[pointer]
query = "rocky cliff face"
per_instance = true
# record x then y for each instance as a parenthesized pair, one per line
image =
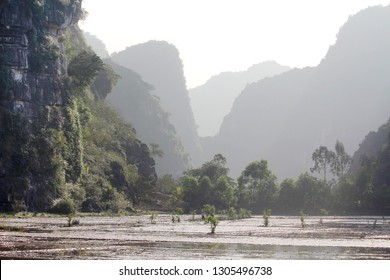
(30, 43)
(49, 147)
(33, 88)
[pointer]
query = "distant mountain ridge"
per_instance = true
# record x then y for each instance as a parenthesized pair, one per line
(159, 64)
(285, 118)
(98, 46)
(372, 145)
(212, 101)
(133, 99)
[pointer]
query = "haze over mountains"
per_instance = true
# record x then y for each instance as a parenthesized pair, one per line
(372, 145)
(133, 99)
(212, 101)
(159, 64)
(282, 119)
(98, 46)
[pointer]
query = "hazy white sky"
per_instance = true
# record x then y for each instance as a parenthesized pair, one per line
(213, 36)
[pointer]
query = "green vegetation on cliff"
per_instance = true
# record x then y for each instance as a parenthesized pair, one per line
(61, 146)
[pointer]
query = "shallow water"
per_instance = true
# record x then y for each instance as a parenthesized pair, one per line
(136, 238)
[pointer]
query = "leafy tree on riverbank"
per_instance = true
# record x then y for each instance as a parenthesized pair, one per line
(257, 187)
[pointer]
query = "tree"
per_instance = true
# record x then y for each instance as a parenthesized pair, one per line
(213, 169)
(223, 193)
(208, 209)
(205, 190)
(312, 193)
(365, 183)
(323, 159)
(341, 162)
(382, 180)
(345, 197)
(257, 186)
(84, 68)
(167, 184)
(288, 201)
(190, 193)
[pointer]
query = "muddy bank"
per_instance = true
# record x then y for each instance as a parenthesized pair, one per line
(136, 237)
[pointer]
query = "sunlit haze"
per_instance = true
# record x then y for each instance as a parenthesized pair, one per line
(219, 35)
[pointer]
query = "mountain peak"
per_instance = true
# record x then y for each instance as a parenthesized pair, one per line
(213, 100)
(283, 119)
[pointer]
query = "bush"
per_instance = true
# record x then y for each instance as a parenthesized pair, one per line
(266, 216)
(324, 212)
(193, 213)
(213, 223)
(84, 68)
(208, 209)
(232, 213)
(72, 221)
(20, 206)
(63, 207)
(303, 217)
(153, 217)
(179, 211)
(91, 206)
(244, 213)
(115, 201)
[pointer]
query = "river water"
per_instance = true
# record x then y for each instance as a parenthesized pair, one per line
(135, 237)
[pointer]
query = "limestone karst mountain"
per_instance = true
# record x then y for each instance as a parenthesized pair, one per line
(212, 101)
(159, 64)
(61, 148)
(285, 118)
(371, 146)
(133, 99)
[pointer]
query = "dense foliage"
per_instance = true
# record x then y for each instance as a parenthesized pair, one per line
(73, 153)
(257, 189)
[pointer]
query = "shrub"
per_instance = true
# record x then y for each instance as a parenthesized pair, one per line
(179, 211)
(84, 68)
(153, 218)
(244, 213)
(63, 207)
(208, 209)
(91, 206)
(193, 213)
(213, 223)
(324, 212)
(72, 221)
(266, 216)
(232, 213)
(20, 206)
(303, 217)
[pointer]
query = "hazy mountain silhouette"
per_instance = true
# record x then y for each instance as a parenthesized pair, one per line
(212, 101)
(159, 64)
(136, 102)
(372, 144)
(133, 99)
(98, 46)
(285, 118)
